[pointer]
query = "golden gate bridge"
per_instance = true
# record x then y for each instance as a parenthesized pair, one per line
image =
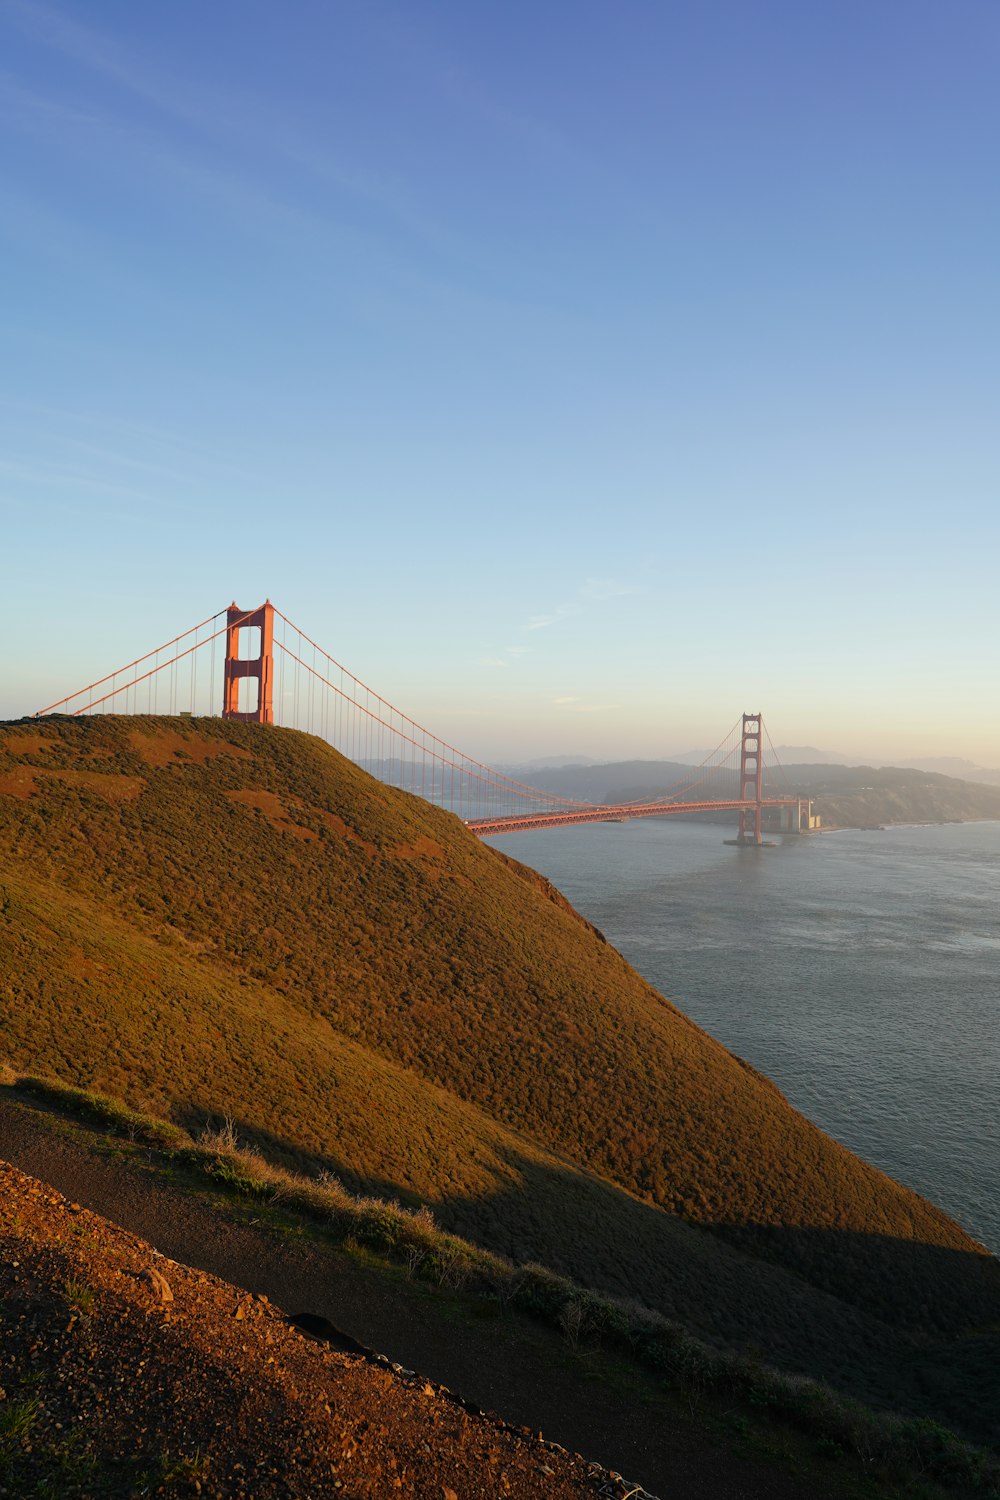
(256, 666)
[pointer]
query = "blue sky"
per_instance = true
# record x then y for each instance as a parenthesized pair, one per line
(580, 374)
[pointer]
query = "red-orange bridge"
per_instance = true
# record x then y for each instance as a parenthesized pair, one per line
(256, 666)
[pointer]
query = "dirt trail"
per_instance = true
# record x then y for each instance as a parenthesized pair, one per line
(127, 1373)
(503, 1369)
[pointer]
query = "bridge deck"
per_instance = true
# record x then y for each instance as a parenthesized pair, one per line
(612, 814)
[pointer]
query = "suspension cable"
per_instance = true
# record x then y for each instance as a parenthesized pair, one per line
(468, 766)
(496, 776)
(160, 666)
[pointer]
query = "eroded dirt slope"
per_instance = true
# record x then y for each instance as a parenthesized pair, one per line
(123, 1372)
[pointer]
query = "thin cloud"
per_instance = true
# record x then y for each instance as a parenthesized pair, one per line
(448, 73)
(599, 590)
(221, 121)
(566, 698)
(46, 474)
(225, 185)
(53, 28)
(90, 421)
(591, 591)
(539, 622)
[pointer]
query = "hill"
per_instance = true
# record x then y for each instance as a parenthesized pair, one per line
(690, 1421)
(209, 919)
(953, 765)
(862, 796)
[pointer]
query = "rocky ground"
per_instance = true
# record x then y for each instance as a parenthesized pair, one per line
(126, 1373)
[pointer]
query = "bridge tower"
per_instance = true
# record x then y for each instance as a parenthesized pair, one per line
(751, 779)
(260, 668)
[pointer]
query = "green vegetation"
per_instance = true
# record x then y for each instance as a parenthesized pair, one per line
(16, 1417)
(211, 920)
(79, 1297)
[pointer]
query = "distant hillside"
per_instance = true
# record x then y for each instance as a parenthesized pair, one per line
(845, 796)
(859, 796)
(953, 765)
(616, 781)
(808, 755)
(212, 919)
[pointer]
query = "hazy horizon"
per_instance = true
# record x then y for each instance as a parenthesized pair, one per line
(788, 754)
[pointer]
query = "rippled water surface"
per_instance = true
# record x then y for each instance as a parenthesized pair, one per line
(859, 970)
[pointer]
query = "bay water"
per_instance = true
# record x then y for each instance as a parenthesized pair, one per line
(860, 970)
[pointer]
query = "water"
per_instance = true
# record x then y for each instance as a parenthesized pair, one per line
(859, 970)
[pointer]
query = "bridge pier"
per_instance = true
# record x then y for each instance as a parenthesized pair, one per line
(797, 817)
(790, 818)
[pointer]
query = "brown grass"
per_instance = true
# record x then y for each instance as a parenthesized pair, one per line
(25, 744)
(275, 811)
(337, 825)
(420, 848)
(160, 746)
(23, 784)
(20, 783)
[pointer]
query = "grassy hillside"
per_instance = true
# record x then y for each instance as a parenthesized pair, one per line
(212, 919)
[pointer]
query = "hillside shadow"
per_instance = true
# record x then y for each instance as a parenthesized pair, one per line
(909, 1326)
(929, 1290)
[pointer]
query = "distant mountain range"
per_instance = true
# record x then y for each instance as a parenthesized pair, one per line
(544, 762)
(942, 765)
(808, 755)
(845, 796)
(791, 756)
(951, 765)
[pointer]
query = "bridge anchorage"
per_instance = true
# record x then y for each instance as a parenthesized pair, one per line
(270, 672)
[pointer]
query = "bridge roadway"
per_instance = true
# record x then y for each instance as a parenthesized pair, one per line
(486, 826)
